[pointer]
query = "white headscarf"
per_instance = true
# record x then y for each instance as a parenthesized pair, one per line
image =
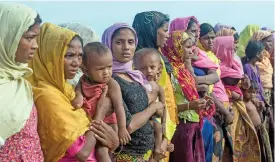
(16, 98)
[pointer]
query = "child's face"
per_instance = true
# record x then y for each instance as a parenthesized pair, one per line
(149, 65)
(250, 94)
(99, 68)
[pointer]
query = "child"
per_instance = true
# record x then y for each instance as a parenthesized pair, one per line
(147, 60)
(97, 69)
(253, 112)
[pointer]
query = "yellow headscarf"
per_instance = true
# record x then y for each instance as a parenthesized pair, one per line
(265, 67)
(58, 124)
(245, 36)
(16, 100)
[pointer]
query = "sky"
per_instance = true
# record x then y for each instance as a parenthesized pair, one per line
(99, 15)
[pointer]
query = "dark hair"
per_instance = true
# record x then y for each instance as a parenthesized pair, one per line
(94, 48)
(79, 38)
(205, 28)
(233, 29)
(37, 21)
(253, 48)
(143, 52)
(190, 23)
(236, 36)
(116, 32)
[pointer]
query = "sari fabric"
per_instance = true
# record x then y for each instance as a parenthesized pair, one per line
(174, 52)
(245, 36)
(220, 26)
(16, 94)
(62, 125)
(265, 66)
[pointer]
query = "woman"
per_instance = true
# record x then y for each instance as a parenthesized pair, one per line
(223, 148)
(245, 36)
(122, 40)
(19, 139)
(220, 26)
(245, 141)
(64, 132)
(201, 65)
(230, 32)
(188, 146)
(88, 35)
(152, 32)
(265, 67)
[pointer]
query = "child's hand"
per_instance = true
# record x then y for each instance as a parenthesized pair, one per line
(228, 119)
(77, 102)
(124, 136)
(245, 82)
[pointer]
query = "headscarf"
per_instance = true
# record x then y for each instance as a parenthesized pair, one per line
(181, 23)
(88, 35)
(16, 93)
(265, 66)
(219, 89)
(224, 48)
(220, 26)
(174, 51)
(245, 36)
(85, 32)
(225, 32)
(119, 67)
(59, 125)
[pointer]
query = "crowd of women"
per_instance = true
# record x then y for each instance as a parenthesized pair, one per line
(156, 90)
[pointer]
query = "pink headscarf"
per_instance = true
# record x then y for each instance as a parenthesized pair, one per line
(224, 50)
(182, 24)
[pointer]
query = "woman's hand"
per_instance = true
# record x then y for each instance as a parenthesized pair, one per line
(158, 107)
(245, 82)
(105, 134)
(197, 104)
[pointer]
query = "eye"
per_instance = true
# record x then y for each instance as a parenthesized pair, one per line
(118, 42)
(131, 42)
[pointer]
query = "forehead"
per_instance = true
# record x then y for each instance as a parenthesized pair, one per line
(194, 26)
(165, 25)
(125, 34)
(34, 29)
(149, 57)
(210, 34)
(96, 59)
(188, 42)
(75, 44)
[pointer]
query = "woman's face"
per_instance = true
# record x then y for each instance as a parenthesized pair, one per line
(260, 56)
(207, 40)
(194, 31)
(73, 58)
(187, 48)
(268, 43)
(162, 35)
(27, 45)
(124, 45)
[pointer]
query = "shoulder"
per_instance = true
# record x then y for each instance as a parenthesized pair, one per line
(113, 84)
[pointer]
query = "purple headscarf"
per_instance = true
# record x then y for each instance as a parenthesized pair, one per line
(219, 26)
(119, 67)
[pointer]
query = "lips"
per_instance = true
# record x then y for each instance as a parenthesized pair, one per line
(126, 55)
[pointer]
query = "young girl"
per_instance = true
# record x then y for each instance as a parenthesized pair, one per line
(97, 69)
(253, 112)
(148, 61)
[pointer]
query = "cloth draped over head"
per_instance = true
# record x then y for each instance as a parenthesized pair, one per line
(146, 25)
(16, 94)
(224, 49)
(59, 125)
(220, 26)
(88, 35)
(225, 32)
(182, 24)
(174, 51)
(265, 66)
(119, 67)
(85, 32)
(245, 36)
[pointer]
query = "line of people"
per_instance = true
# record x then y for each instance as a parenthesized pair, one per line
(156, 91)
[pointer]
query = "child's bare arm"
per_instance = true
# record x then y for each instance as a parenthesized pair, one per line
(163, 118)
(77, 102)
(116, 97)
(236, 96)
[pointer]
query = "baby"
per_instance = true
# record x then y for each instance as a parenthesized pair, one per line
(97, 69)
(254, 112)
(148, 61)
